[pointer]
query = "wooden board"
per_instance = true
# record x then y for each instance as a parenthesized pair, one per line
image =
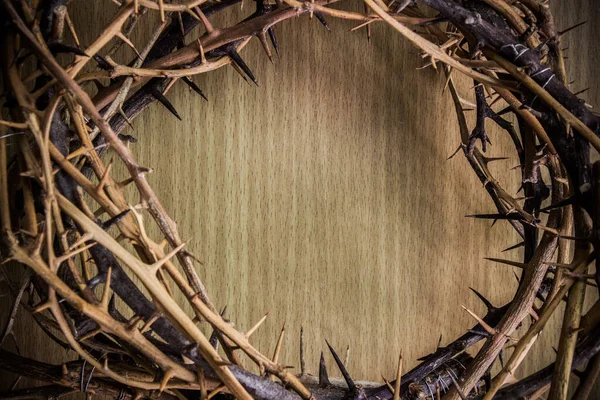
(324, 196)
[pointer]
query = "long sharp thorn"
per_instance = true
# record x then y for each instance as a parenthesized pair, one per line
(481, 322)
(57, 47)
(516, 246)
(568, 201)
(485, 301)
(271, 33)
(158, 95)
(403, 4)
(256, 326)
(368, 25)
(114, 220)
(388, 384)
(129, 43)
(514, 216)
(347, 359)
(278, 345)
(323, 376)
(516, 277)
(302, 360)
(165, 380)
(194, 87)
(322, 21)
(263, 41)
(237, 59)
(455, 152)
(343, 370)
(239, 72)
(158, 264)
(581, 91)
(562, 33)
(398, 378)
(507, 262)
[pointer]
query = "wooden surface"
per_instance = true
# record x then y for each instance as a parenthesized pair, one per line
(324, 196)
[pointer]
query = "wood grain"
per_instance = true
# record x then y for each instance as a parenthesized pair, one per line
(324, 196)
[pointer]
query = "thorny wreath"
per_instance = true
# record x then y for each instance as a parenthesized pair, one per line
(58, 200)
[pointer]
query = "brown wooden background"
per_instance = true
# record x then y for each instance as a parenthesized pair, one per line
(324, 195)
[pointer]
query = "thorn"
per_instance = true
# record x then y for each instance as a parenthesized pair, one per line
(73, 253)
(114, 220)
(36, 249)
(516, 246)
(403, 4)
(562, 33)
(322, 21)
(158, 95)
(302, 360)
(278, 348)
(133, 322)
(263, 41)
(398, 379)
(194, 87)
(486, 302)
(125, 117)
(369, 25)
(57, 47)
(388, 384)
(202, 54)
(347, 359)
(323, 376)
(240, 72)
(239, 62)
(548, 229)
(460, 146)
(343, 370)
(271, 33)
(150, 321)
(488, 160)
(158, 264)
(84, 238)
(507, 262)
(513, 216)
(256, 326)
(125, 182)
(207, 24)
(105, 177)
(165, 379)
(481, 322)
(129, 43)
(582, 91)
(563, 203)
(88, 335)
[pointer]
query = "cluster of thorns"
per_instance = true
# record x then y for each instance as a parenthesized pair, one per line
(64, 266)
